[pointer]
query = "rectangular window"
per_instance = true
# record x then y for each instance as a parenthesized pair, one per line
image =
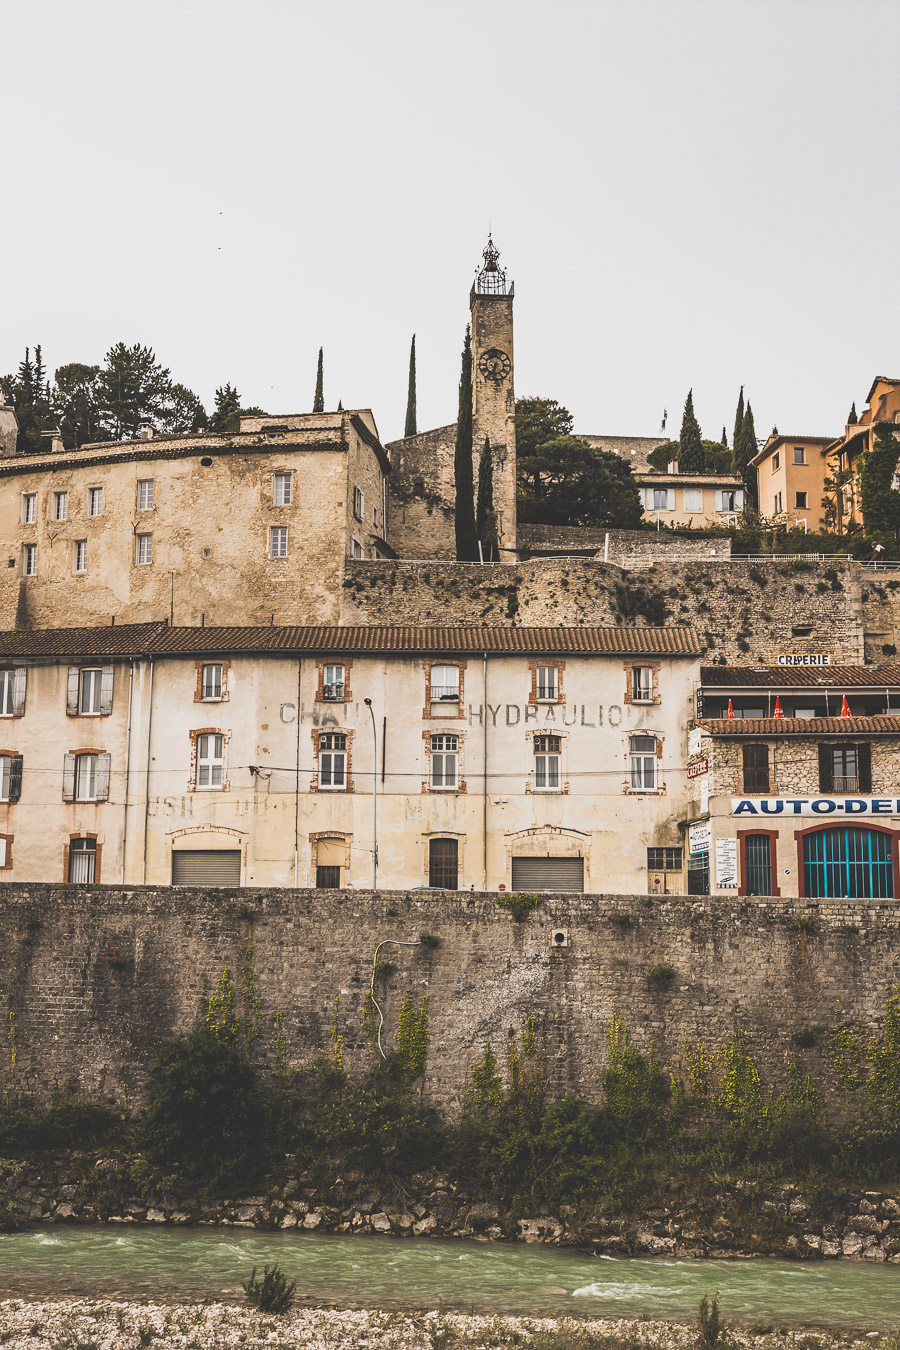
(444, 760)
(800, 500)
(86, 778)
(642, 684)
(7, 693)
(278, 541)
(660, 499)
(546, 763)
(776, 463)
(359, 503)
(210, 760)
(758, 864)
(729, 500)
(333, 684)
(755, 765)
(445, 684)
(443, 864)
(844, 769)
(29, 508)
(777, 504)
(642, 750)
(95, 501)
(547, 686)
(60, 505)
(10, 778)
(82, 861)
(799, 458)
(29, 560)
(333, 760)
(145, 494)
(356, 549)
(211, 682)
(80, 555)
(144, 548)
(282, 491)
(664, 859)
(693, 499)
(89, 695)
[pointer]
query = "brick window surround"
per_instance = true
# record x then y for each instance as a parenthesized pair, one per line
(562, 737)
(85, 834)
(9, 859)
(198, 689)
(742, 851)
(320, 680)
(461, 785)
(209, 731)
(629, 687)
(660, 788)
(460, 707)
(560, 694)
(349, 786)
(343, 835)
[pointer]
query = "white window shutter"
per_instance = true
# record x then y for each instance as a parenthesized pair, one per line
(72, 692)
(69, 778)
(19, 682)
(670, 499)
(106, 690)
(102, 781)
(739, 501)
(719, 506)
(642, 493)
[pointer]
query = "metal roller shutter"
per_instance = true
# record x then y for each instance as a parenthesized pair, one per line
(548, 874)
(206, 867)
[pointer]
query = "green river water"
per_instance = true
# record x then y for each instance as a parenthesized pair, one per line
(383, 1272)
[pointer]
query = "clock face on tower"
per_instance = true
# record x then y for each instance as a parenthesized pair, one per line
(494, 365)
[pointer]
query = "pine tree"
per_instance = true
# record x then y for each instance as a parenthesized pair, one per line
(724, 438)
(466, 538)
(691, 455)
(228, 405)
(319, 400)
(852, 418)
(486, 516)
(738, 423)
(30, 396)
(410, 428)
(133, 387)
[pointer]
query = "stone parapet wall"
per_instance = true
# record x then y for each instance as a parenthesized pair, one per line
(655, 545)
(93, 978)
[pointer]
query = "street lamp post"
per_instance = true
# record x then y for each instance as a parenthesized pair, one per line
(368, 703)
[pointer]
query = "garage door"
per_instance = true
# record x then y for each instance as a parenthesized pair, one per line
(206, 867)
(548, 874)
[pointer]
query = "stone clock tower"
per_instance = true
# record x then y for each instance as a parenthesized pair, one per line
(493, 394)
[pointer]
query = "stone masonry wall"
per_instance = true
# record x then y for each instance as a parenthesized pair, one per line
(647, 545)
(92, 979)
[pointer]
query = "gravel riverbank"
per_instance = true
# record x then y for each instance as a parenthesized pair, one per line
(90, 1324)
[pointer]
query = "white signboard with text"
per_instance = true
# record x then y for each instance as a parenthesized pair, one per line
(726, 864)
(699, 836)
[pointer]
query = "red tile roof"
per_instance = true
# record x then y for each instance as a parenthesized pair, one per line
(796, 677)
(801, 726)
(159, 639)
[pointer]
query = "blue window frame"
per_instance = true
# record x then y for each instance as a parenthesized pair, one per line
(848, 862)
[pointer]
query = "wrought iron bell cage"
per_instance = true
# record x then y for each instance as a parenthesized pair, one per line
(490, 278)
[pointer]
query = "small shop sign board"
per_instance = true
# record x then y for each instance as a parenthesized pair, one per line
(699, 766)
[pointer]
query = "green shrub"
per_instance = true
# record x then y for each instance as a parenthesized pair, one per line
(804, 1038)
(271, 1294)
(708, 1321)
(68, 1124)
(803, 923)
(519, 904)
(661, 974)
(429, 941)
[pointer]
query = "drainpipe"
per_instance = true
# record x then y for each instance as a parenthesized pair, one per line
(147, 774)
(297, 787)
(368, 703)
(127, 764)
(484, 780)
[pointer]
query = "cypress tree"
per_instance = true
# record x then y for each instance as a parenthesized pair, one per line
(691, 455)
(743, 451)
(410, 428)
(340, 406)
(852, 418)
(319, 400)
(466, 538)
(724, 438)
(738, 423)
(486, 516)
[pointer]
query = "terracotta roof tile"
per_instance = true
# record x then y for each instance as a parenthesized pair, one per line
(797, 677)
(159, 639)
(801, 726)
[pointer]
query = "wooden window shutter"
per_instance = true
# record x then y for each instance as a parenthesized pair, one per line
(106, 689)
(102, 781)
(756, 768)
(825, 774)
(72, 691)
(864, 766)
(15, 778)
(19, 682)
(69, 778)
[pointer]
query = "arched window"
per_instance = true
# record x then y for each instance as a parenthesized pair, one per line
(848, 861)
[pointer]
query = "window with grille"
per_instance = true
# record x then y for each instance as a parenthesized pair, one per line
(332, 760)
(664, 859)
(95, 502)
(10, 778)
(82, 861)
(698, 874)
(546, 763)
(758, 864)
(29, 508)
(145, 494)
(29, 560)
(755, 764)
(443, 863)
(333, 684)
(60, 505)
(282, 490)
(444, 684)
(642, 684)
(547, 684)
(145, 548)
(278, 537)
(642, 750)
(80, 555)
(210, 760)
(444, 760)
(211, 682)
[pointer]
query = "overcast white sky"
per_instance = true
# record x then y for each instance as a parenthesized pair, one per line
(686, 192)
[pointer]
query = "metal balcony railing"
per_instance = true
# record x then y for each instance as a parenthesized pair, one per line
(849, 784)
(442, 693)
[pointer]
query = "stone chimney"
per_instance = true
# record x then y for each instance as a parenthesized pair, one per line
(145, 431)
